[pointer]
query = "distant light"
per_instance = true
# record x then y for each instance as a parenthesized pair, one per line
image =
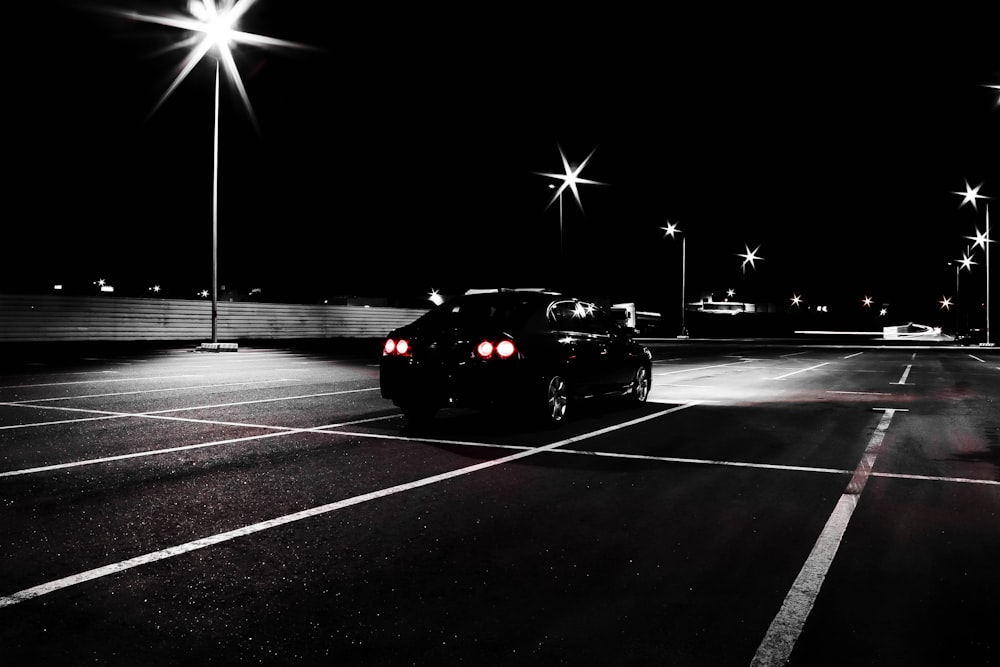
(435, 298)
(730, 292)
(970, 195)
(945, 303)
(107, 288)
(203, 294)
(57, 287)
(670, 230)
(966, 261)
(749, 257)
(796, 299)
(570, 178)
(883, 312)
(981, 238)
(866, 302)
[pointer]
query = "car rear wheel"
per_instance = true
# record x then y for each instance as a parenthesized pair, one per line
(641, 384)
(557, 399)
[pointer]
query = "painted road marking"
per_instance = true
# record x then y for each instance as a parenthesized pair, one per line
(705, 368)
(777, 645)
(801, 370)
(105, 414)
(280, 430)
(977, 358)
(147, 391)
(128, 379)
(852, 355)
(906, 374)
(219, 538)
(859, 393)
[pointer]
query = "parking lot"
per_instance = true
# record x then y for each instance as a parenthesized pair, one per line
(770, 504)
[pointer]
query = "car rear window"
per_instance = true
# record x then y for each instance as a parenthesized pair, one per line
(507, 311)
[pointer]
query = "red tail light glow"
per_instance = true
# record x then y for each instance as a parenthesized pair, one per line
(397, 348)
(503, 349)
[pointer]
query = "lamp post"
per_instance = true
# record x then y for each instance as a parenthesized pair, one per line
(983, 239)
(570, 179)
(671, 230)
(964, 263)
(215, 29)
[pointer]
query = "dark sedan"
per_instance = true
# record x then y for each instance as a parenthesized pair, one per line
(537, 352)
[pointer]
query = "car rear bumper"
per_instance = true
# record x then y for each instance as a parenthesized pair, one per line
(472, 384)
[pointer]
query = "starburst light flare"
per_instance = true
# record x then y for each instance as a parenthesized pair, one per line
(945, 303)
(749, 257)
(966, 261)
(971, 195)
(867, 301)
(670, 230)
(570, 178)
(796, 299)
(215, 29)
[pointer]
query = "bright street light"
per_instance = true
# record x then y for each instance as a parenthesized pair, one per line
(215, 31)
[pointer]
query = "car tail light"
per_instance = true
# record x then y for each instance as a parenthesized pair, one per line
(397, 348)
(503, 349)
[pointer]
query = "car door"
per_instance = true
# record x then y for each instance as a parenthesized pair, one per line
(583, 351)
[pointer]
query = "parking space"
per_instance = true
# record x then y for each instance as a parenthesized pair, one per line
(694, 511)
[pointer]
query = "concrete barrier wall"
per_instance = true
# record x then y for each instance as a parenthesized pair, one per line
(41, 318)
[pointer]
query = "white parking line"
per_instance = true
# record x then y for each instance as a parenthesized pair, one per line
(128, 379)
(801, 370)
(280, 430)
(705, 368)
(906, 373)
(777, 645)
(145, 391)
(218, 538)
(105, 414)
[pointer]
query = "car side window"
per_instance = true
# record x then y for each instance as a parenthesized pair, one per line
(579, 316)
(601, 322)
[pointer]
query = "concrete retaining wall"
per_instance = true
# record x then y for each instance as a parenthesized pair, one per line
(42, 318)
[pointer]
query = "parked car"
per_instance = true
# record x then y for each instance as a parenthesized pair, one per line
(534, 352)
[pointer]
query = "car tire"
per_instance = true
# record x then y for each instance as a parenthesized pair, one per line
(641, 384)
(556, 404)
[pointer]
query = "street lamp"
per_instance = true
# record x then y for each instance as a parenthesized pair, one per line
(570, 179)
(970, 196)
(215, 29)
(671, 230)
(983, 239)
(964, 263)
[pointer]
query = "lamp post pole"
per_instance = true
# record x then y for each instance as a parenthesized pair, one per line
(684, 331)
(987, 245)
(215, 215)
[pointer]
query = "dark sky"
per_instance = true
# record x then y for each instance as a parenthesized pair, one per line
(402, 153)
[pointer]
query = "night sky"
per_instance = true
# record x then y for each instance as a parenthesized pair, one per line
(402, 153)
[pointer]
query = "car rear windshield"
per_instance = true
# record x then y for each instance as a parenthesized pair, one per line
(504, 311)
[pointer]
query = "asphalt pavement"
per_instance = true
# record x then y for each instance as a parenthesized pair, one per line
(781, 502)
